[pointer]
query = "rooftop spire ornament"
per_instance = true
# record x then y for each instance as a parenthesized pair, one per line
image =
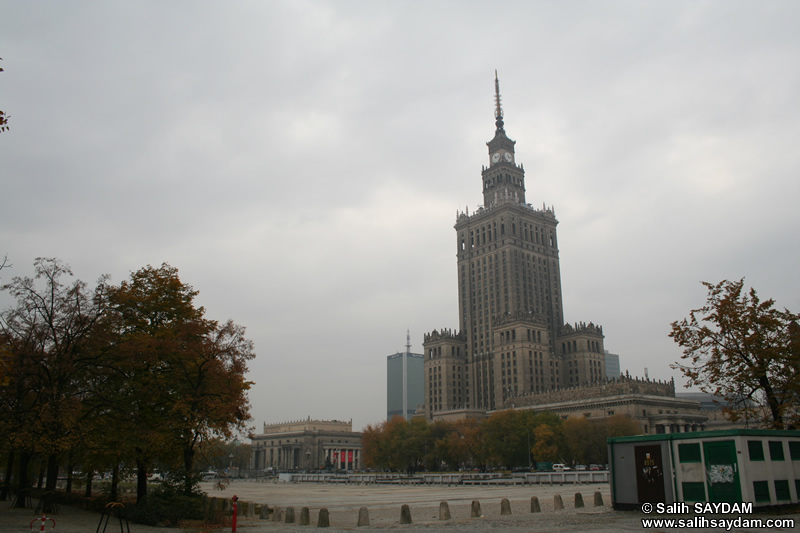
(498, 111)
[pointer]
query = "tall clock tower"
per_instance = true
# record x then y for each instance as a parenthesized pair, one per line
(502, 178)
(512, 339)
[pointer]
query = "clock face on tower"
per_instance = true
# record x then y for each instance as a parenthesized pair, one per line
(495, 157)
(509, 157)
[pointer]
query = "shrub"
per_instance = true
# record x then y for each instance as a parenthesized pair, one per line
(165, 506)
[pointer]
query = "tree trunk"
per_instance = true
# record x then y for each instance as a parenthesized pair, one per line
(114, 483)
(48, 498)
(4, 490)
(70, 468)
(88, 492)
(24, 489)
(772, 402)
(141, 481)
(188, 466)
(52, 473)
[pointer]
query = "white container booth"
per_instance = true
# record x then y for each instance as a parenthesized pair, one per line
(734, 466)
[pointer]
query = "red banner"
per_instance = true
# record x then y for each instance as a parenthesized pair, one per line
(350, 456)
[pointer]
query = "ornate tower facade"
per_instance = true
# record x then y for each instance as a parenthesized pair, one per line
(512, 339)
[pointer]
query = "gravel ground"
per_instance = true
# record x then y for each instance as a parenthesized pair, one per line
(383, 503)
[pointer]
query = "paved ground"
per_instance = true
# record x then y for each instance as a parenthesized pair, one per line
(384, 502)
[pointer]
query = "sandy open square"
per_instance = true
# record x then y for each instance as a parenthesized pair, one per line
(342, 497)
(384, 501)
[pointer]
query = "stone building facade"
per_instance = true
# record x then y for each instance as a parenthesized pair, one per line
(652, 404)
(511, 338)
(307, 445)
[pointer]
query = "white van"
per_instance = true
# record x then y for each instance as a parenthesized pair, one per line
(561, 467)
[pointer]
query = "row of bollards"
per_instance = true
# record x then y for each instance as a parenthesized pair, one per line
(287, 515)
(505, 507)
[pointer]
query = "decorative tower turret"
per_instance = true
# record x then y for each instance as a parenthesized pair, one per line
(503, 180)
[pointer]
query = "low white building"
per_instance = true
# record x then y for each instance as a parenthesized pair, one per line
(307, 445)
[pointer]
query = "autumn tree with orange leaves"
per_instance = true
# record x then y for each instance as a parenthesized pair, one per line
(50, 340)
(744, 350)
(179, 375)
(118, 375)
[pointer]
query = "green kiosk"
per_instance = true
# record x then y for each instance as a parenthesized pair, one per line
(734, 466)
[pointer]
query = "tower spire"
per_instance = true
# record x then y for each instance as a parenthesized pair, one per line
(498, 110)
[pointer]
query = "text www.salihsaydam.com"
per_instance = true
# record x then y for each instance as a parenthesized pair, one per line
(713, 523)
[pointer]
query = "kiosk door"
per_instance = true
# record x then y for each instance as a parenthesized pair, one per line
(722, 471)
(649, 474)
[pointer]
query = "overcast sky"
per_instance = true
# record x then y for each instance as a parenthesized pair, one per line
(302, 163)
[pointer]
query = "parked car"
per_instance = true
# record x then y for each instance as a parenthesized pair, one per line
(595, 467)
(561, 467)
(580, 468)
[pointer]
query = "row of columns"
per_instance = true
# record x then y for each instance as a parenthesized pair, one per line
(343, 458)
(677, 428)
(296, 456)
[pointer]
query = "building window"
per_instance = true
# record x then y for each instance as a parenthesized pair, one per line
(689, 453)
(794, 450)
(776, 450)
(755, 449)
(782, 490)
(761, 491)
(694, 491)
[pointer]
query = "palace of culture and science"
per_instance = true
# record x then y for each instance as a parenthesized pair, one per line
(512, 340)
(512, 349)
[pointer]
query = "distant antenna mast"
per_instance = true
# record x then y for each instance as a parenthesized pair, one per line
(405, 374)
(645, 373)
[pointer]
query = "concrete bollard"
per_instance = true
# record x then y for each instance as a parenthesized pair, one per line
(251, 510)
(558, 503)
(323, 520)
(444, 511)
(598, 499)
(363, 516)
(405, 514)
(277, 514)
(263, 511)
(305, 518)
(226, 505)
(578, 500)
(505, 506)
(213, 511)
(476, 509)
(535, 507)
(289, 516)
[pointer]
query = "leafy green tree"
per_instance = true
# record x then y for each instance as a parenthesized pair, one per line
(507, 437)
(440, 455)
(585, 438)
(50, 335)
(744, 350)
(468, 441)
(180, 376)
(384, 445)
(545, 447)
(374, 446)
